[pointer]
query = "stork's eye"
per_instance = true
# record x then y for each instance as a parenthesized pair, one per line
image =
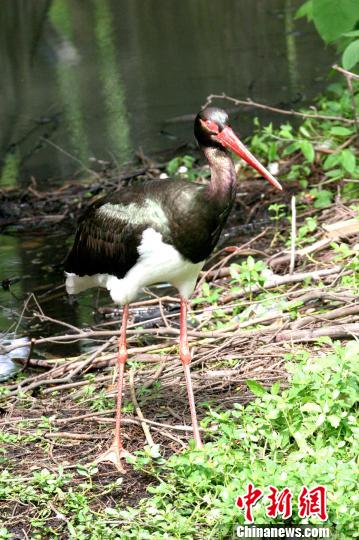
(210, 125)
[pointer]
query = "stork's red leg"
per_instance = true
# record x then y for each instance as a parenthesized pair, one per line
(185, 356)
(116, 450)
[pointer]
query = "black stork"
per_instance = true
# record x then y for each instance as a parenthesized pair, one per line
(159, 231)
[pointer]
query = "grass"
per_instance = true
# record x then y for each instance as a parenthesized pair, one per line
(303, 436)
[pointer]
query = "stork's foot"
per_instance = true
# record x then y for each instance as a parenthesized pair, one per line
(114, 455)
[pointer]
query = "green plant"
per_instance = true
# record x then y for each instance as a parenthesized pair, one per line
(351, 258)
(343, 251)
(303, 233)
(248, 273)
(305, 435)
(336, 22)
(339, 164)
(183, 165)
(209, 294)
(277, 213)
(299, 172)
(313, 153)
(304, 145)
(154, 391)
(263, 142)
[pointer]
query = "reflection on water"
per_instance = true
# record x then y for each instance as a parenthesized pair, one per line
(33, 262)
(67, 59)
(98, 78)
(83, 79)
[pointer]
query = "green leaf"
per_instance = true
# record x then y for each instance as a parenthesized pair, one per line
(323, 197)
(286, 131)
(334, 17)
(307, 150)
(348, 160)
(293, 147)
(303, 130)
(206, 289)
(302, 443)
(256, 388)
(311, 223)
(234, 271)
(275, 388)
(272, 151)
(355, 33)
(331, 161)
(351, 55)
(341, 131)
(250, 263)
(335, 173)
(306, 10)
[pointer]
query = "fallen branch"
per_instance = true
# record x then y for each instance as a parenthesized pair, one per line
(76, 436)
(333, 232)
(138, 422)
(312, 334)
(278, 281)
(96, 334)
(98, 417)
(330, 315)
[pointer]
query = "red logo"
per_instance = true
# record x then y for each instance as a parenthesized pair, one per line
(248, 500)
(310, 502)
(281, 503)
(313, 503)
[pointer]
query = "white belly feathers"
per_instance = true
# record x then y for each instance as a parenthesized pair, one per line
(158, 263)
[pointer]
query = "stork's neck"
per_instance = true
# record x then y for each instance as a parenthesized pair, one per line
(222, 187)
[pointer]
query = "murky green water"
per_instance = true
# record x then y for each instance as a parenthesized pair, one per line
(87, 80)
(97, 79)
(33, 262)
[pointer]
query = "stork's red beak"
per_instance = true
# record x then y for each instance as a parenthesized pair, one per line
(229, 139)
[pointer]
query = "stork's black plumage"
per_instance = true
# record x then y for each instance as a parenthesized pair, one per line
(161, 230)
(110, 231)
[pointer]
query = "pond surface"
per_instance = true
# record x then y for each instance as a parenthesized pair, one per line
(85, 80)
(90, 80)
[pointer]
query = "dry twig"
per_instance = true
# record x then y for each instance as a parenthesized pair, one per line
(139, 413)
(250, 103)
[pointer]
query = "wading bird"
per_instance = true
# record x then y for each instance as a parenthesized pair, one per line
(159, 231)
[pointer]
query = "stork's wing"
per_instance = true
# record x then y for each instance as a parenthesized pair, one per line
(105, 243)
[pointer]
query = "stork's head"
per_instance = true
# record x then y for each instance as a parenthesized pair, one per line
(212, 129)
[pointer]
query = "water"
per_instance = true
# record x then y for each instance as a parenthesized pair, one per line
(98, 79)
(83, 81)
